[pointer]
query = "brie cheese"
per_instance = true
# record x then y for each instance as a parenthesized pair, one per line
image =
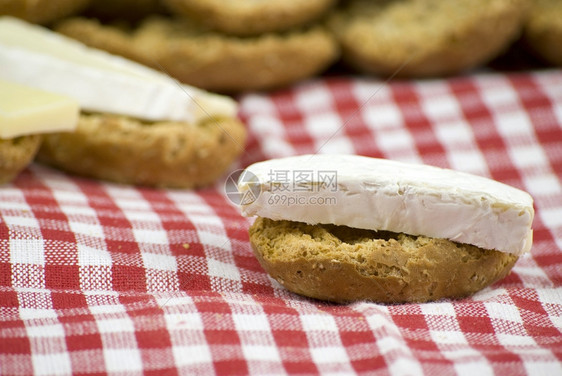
(378, 194)
(35, 56)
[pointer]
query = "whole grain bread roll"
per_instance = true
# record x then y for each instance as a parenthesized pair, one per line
(342, 264)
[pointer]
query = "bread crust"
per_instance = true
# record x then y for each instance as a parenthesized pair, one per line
(342, 264)
(162, 154)
(242, 17)
(211, 60)
(420, 38)
(543, 30)
(16, 154)
(42, 11)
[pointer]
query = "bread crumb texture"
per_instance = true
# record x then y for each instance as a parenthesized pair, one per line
(543, 30)
(15, 154)
(210, 60)
(244, 17)
(164, 154)
(342, 264)
(425, 37)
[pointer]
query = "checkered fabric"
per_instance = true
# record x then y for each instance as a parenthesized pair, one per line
(99, 278)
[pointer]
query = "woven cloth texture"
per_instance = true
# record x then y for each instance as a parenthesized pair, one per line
(100, 278)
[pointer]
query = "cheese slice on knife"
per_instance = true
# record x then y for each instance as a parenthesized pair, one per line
(27, 111)
(378, 194)
(35, 56)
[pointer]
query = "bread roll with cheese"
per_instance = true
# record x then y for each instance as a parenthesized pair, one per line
(344, 228)
(25, 115)
(137, 125)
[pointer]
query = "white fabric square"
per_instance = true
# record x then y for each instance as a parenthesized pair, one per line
(132, 205)
(250, 322)
(510, 340)
(332, 354)
(552, 217)
(223, 270)
(514, 124)
(122, 360)
(543, 368)
(503, 311)
(373, 91)
(335, 145)
(395, 139)
(143, 218)
(448, 337)
(324, 125)
(528, 156)
(267, 125)
(385, 115)
(499, 96)
(254, 103)
(79, 211)
(278, 148)
(21, 221)
(441, 107)
(12, 202)
(318, 323)
(470, 161)
(260, 352)
(543, 185)
(104, 309)
(214, 239)
(27, 251)
(472, 368)
(115, 325)
(188, 355)
(206, 219)
(150, 236)
(381, 320)
(457, 132)
(37, 313)
(550, 295)
(388, 344)
(160, 262)
(45, 330)
(51, 364)
(314, 99)
(405, 366)
(69, 195)
(86, 229)
(181, 321)
(489, 294)
(88, 256)
(438, 309)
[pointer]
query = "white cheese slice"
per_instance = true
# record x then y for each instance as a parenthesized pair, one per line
(35, 56)
(380, 194)
(26, 111)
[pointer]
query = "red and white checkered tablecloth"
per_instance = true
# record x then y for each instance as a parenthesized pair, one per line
(99, 278)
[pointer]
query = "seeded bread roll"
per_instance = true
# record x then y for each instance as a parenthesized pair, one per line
(543, 30)
(210, 60)
(163, 154)
(16, 154)
(248, 17)
(418, 38)
(341, 264)
(346, 227)
(41, 11)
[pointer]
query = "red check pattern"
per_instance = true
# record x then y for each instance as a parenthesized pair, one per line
(98, 278)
